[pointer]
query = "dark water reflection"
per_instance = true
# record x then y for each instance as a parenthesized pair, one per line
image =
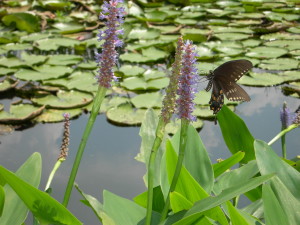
(108, 162)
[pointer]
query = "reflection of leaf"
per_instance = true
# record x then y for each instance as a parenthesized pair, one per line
(23, 21)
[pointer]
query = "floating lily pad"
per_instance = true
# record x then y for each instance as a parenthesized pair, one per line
(48, 44)
(23, 21)
(56, 115)
(125, 115)
(148, 55)
(69, 28)
(143, 33)
(185, 21)
(91, 65)
(266, 52)
(129, 70)
(219, 12)
(227, 51)
(8, 37)
(174, 125)
(195, 35)
(8, 84)
(33, 60)
(44, 72)
(6, 71)
(224, 29)
(251, 43)
(84, 81)
(148, 100)
(204, 112)
(293, 89)
(154, 16)
(151, 74)
(55, 4)
(279, 64)
(64, 60)
(34, 37)
(12, 62)
(279, 36)
(287, 44)
(261, 79)
(17, 47)
(20, 113)
(205, 53)
(64, 99)
(232, 36)
(137, 83)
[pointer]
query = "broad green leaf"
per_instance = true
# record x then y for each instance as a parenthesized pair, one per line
(2, 200)
(188, 187)
(232, 36)
(69, 28)
(15, 211)
(196, 159)
(236, 217)
(64, 60)
(262, 52)
(268, 162)
(123, 211)
(45, 208)
(57, 115)
(279, 64)
(143, 33)
(226, 164)
(12, 62)
(178, 202)
(129, 70)
(289, 203)
(8, 84)
(226, 195)
(49, 44)
(92, 202)
(236, 134)
(195, 219)
(228, 179)
(23, 21)
(273, 211)
(174, 125)
(158, 199)
(255, 209)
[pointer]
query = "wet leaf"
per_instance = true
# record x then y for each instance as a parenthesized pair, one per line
(266, 52)
(231, 36)
(64, 60)
(129, 70)
(279, 64)
(148, 100)
(7, 84)
(56, 115)
(48, 44)
(142, 33)
(23, 21)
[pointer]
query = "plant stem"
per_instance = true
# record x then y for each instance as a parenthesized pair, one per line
(95, 110)
(283, 146)
(151, 167)
(182, 145)
(291, 127)
(55, 168)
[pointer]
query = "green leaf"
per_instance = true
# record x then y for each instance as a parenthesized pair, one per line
(15, 211)
(143, 33)
(179, 202)
(45, 208)
(148, 100)
(68, 28)
(92, 202)
(64, 99)
(273, 211)
(23, 21)
(236, 134)
(57, 115)
(268, 162)
(2, 200)
(122, 211)
(226, 195)
(188, 187)
(196, 159)
(266, 52)
(226, 164)
(236, 217)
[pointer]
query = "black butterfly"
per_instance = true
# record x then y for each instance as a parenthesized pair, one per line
(223, 81)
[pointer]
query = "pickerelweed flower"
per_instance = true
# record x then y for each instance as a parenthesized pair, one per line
(64, 148)
(170, 97)
(286, 116)
(188, 83)
(108, 57)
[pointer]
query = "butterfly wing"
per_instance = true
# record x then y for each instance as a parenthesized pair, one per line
(234, 92)
(232, 71)
(217, 97)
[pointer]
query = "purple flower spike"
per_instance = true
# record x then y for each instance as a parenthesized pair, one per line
(108, 58)
(188, 81)
(286, 116)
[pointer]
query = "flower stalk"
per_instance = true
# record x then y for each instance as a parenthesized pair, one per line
(166, 114)
(106, 61)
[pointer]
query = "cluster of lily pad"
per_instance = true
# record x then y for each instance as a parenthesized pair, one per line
(47, 53)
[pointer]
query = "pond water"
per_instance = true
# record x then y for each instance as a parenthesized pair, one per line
(108, 162)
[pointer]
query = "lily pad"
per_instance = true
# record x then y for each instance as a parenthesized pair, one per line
(266, 52)
(33, 60)
(148, 55)
(287, 44)
(279, 36)
(8, 84)
(69, 28)
(261, 79)
(143, 33)
(205, 53)
(20, 113)
(232, 36)
(64, 60)
(17, 47)
(84, 81)
(125, 115)
(91, 65)
(34, 37)
(279, 64)
(64, 100)
(129, 70)
(12, 62)
(6, 71)
(137, 83)
(23, 21)
(44, 72)
(148, 100)
(151, 74)
(174, 125)
(49, 44)
(56, 115)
